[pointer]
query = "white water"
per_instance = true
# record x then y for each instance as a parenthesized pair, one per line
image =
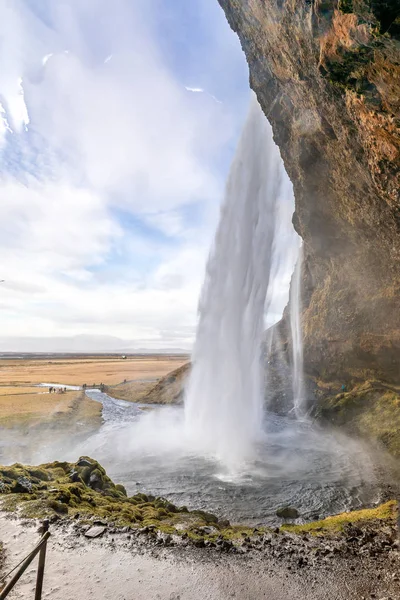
(299, 399)
(224, 399)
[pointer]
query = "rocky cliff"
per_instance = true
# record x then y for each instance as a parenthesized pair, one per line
(327, 75)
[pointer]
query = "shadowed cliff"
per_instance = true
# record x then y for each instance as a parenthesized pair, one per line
(327, 75)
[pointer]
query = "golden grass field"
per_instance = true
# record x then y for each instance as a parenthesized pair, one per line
(91, 370)
(39, 408)
(23, 404)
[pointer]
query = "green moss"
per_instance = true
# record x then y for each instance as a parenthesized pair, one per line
(57, 494)
(209, 518)
(236, 532)
(336, 523)
(345, 6)
(120, 488)
(58, 507)
(349, 71)
(66, 489)
(370, 409)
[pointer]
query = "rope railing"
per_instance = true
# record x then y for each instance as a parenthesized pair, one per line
(40, 549)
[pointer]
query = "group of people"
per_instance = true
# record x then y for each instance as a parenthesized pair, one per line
(57, 390)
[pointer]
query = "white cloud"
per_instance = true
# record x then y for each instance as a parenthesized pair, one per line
(46, 58)
(198, 90)
(109, 200)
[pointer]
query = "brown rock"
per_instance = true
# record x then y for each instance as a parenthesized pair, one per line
(95, 532)
(329, 83)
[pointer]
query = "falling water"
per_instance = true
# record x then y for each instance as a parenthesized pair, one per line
(297, 340)
(223, 405)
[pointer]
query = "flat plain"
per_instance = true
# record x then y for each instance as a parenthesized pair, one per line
(22, 403)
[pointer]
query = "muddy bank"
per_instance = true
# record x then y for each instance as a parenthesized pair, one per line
(106, 544)
(122, 565)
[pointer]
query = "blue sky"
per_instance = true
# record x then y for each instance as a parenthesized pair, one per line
(113, 163)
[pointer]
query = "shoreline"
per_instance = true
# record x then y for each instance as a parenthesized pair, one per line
(120, 565)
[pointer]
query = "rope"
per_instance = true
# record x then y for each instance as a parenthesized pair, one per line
(3, 577)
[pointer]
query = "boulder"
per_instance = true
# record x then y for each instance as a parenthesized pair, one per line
(95, 532)
(287, 512)
(84, 462)
(22, 486)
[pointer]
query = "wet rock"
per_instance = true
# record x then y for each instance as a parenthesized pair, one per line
(84, 462)
(209, 518)
(164, 538)
(22, 486)
(146, 529)
(74, 476)
(224, 523)
(207, 530)
(287, 512)
(95, 532)
(96, 480)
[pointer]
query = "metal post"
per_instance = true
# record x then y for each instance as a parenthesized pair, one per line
(42, 560)
(5, 591)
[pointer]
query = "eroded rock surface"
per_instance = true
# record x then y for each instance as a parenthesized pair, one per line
(327, 75)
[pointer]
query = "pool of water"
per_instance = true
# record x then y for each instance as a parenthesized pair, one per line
(296, 464)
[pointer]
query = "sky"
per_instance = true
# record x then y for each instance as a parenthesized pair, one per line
(118, 123)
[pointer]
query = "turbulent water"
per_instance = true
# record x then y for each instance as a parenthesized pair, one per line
(145, 448)
(299, 399)
(316, 471)
(224, 400)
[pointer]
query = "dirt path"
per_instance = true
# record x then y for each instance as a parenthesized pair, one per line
(115, 568)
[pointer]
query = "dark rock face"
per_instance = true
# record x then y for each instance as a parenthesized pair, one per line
(327, 75)
(22, 486)
(287, 513)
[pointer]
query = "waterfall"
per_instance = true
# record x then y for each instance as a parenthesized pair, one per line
(224, 398)
(297, 340)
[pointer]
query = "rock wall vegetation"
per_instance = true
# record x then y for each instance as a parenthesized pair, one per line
(327, 75)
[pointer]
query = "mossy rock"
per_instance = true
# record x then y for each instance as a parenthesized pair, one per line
(337, 523)
(83, 488)
(65, 499)
(121, 488)
(58, 507)
(287, 512)
(207, 517)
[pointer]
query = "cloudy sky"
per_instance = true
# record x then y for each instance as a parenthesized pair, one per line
(118, 122)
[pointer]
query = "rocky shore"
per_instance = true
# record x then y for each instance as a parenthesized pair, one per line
(86, 508)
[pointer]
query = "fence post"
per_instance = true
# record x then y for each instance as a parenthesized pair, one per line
(24, 565)
(42, 560)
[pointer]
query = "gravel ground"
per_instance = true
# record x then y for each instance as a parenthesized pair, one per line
(125, 564)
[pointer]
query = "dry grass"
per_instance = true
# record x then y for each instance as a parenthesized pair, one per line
(169, 390)
(30, 409)
(77, 371)
(18, 390)
(22, 405)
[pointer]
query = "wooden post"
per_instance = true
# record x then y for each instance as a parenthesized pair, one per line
(42, 560)
(5, 591)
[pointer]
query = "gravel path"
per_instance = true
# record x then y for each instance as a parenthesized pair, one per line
(118, 566)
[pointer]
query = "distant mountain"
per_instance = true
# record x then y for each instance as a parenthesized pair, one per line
(80, 344)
